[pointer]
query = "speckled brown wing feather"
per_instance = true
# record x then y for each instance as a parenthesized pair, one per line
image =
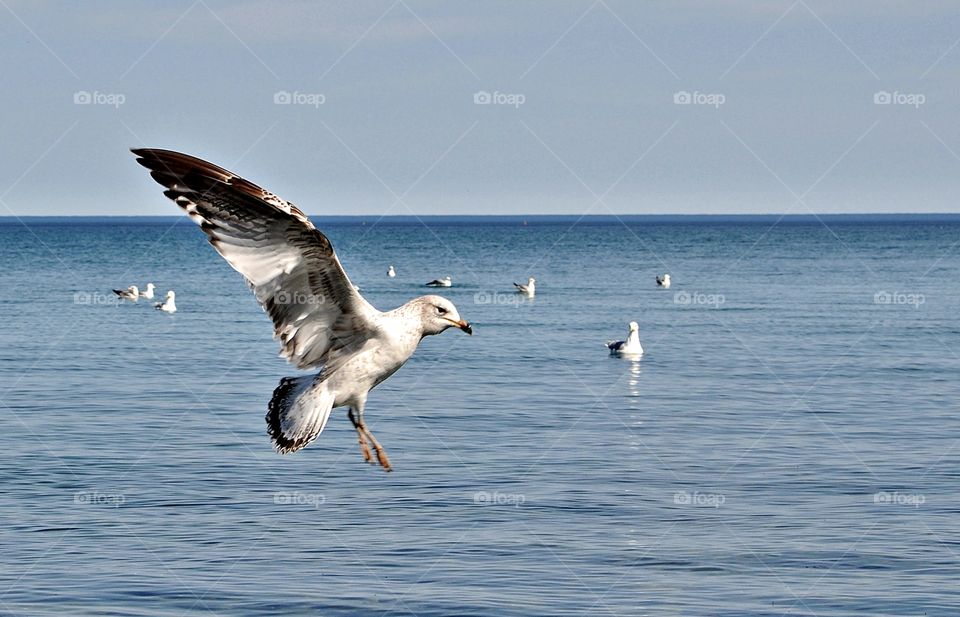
(290, 265)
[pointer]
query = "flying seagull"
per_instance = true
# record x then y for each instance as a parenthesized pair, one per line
(131, 293)
(529, 289)
(321, 320)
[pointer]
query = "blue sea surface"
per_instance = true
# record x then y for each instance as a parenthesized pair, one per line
(787, 445)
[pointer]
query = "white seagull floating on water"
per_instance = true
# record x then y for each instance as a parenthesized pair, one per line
(391, 272)
(629, 347)
(529, 289)
(664, 281)
(131, 293)
(280, 253)
(148, 292)
(444, 282)
(169, 305)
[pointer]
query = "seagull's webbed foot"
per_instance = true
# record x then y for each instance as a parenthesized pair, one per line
(381, 453)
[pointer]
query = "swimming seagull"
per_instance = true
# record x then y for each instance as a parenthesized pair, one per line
(663, 281)
(444, 282)
(391, 272)
(169, 305)
(148, 292)
(530, 288)
(320, 319)
(131, 293)
(629, 347)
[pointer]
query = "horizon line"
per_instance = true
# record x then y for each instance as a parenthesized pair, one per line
(810, 215)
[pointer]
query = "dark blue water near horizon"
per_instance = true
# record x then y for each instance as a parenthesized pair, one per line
(788, 444)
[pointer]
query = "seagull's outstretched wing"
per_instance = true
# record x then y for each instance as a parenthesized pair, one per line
(290, 265)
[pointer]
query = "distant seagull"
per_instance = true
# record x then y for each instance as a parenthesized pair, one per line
(327, 325)
(169, 305)
(391, 272)
(131, 293)
(444, 282)
(148, 292)
(664, 281)
(629, 347)
(529, 289)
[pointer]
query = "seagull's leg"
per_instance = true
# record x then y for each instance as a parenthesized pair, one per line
(364, 448)
(381, 453)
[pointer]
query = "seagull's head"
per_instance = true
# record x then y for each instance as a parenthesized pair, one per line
(531, 281)
(150, 286)
(437, 314)
(634, 326)
(171, 295)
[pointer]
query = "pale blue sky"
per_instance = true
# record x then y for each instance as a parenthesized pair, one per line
(385, 120)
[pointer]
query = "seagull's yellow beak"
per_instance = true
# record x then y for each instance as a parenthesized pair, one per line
(463, 325)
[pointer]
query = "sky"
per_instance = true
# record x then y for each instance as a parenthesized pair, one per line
(402, 107)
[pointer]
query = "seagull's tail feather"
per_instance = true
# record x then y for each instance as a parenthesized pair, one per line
(298, 412)
(120, 292)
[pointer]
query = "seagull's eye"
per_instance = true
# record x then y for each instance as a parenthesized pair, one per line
(441, 310)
